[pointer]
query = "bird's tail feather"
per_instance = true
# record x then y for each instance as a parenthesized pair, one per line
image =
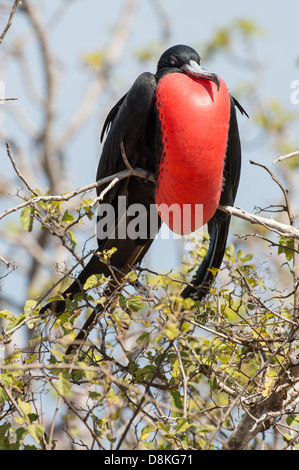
(203, 278)
(93, 266)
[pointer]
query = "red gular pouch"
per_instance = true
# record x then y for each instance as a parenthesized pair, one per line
(194, 117)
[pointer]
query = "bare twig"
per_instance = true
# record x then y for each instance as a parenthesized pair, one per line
(184, 379)
(270, 224)
(22, 177)
(8, 264)
(9, 23)
(8, 99)
(283, 189)
(285, 157)
(136, 171)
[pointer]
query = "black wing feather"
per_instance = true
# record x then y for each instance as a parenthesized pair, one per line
(110, 117)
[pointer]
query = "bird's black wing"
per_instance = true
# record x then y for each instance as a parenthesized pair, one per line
(218, 226)
(130, 121)
(239, 106)
(110, 117)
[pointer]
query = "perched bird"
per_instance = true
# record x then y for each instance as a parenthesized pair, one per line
(178, 125)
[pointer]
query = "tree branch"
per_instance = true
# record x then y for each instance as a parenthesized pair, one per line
(9, 23)
(285, 157)
(281, 401)
(270, 224)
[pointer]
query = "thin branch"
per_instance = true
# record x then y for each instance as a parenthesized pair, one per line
(285, 157)
(9, 23)
(59, 401)
(270, 224)
(18, 171)
(8, 99)
(10, 396)
(149, 176)
(184, 379)
(8, 264)
(283, 189)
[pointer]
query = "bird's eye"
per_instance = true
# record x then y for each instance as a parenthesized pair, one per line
(173, 61)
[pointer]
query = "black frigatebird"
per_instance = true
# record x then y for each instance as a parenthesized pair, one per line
(180, 125)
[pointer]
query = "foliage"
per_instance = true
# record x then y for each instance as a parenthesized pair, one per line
(158, 372)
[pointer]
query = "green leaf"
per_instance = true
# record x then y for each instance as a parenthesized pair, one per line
(175, 369)
(3, 398)
(15, 321)
(94, 281)
(146, 431)
(21, 433)
(86, 206)
(113, 398)
(6, 314)
(29, 307)
(171, 331)
(248, 27)
(131, 276)
(25, 407)
(135, 303)
(94, 59)
(292, 420)
(73, 239)
(176, 402)
(67, 217)
(36, 431)
(182, 425)
(63, 384)
(94, 395)
(286, 245)
(143, 338)
(4, 443)
(55, 297)
(27, 218)
(214, 271)
(287, 437)
(145, 373)
(108, 253)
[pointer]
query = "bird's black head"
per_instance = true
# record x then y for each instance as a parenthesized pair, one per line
(184, 59)
(177, 56)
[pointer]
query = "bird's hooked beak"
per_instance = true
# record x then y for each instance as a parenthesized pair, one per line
(195, 70)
